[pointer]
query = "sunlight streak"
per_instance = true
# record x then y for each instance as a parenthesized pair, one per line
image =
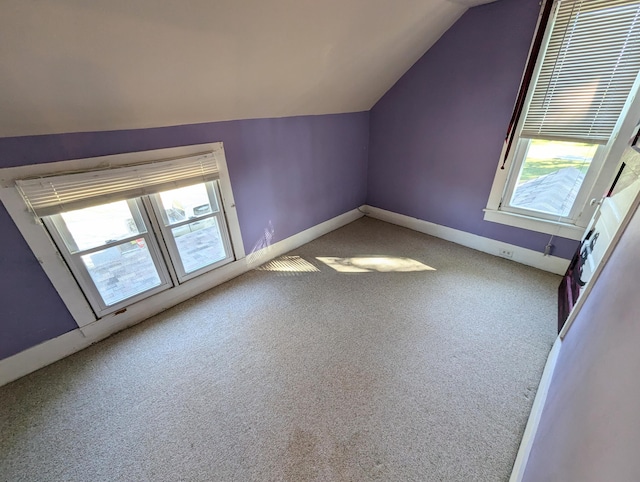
(289, 264)
(368, 264)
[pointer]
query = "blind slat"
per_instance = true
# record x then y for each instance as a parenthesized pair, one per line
(589, 68)
(65, 192)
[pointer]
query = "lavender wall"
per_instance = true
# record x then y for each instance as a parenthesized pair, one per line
(434, 141)
(436, 136)
(288, 175)
(31, 310)
(590, 425)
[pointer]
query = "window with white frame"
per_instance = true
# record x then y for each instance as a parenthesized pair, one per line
(131, 231)
(193, 227)
(111, 251)
(582, 91)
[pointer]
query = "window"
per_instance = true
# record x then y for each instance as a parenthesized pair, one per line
(115, 253)
(551, 174)
(194, 228)
(579, 104)
(111, 253)
(128, 228)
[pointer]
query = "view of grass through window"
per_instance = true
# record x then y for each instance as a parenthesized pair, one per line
(551, 175)
(545, 157)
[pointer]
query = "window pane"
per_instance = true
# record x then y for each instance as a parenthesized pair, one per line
(186, 203)
(122, 271)
(199, 244)
(551, 176)
(98, 225)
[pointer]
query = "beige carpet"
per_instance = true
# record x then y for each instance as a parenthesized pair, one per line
(400, 358)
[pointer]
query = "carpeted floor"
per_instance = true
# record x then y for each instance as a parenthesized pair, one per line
(381, 369)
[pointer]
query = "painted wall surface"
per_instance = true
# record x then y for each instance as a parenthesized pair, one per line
(31, 310)
(287, 174)
(590, 425)
(436, 136)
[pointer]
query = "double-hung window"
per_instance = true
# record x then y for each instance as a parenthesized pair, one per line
(111, 252)
(562, 151)
(128, 232)
(194, 228)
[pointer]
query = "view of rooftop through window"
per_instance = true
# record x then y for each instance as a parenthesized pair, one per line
(551, 175)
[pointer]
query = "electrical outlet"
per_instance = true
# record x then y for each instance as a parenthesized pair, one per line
(505, 253)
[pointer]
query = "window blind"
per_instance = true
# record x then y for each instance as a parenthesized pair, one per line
(589, 68)
(66, 192)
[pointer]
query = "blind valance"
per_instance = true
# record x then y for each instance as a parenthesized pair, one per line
(69, 191)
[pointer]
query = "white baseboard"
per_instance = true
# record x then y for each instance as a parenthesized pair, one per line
(50, 351)
(536, 413)
(526, 256)
(41, 355)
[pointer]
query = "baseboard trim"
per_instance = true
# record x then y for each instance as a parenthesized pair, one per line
(533, 422)
(41, 355)
(50, 351)
(521, 255)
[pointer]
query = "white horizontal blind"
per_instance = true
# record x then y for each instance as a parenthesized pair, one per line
(590, 65)
(66, 192)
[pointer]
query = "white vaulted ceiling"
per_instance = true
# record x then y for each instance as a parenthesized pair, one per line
(85, 65)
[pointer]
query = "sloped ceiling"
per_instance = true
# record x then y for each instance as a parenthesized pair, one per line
(86, 65)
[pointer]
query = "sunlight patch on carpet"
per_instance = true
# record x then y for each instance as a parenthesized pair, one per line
(369, 264)
(289, 264)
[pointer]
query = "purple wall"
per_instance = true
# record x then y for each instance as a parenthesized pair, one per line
(288, 175)
(31, 311)
(434, 141)
(436, 136)
(590, 425)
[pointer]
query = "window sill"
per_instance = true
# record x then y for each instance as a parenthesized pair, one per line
(565, 230)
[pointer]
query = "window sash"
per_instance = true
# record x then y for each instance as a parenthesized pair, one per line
(170, 241)
(581, 198)
(50, 195)
(590, 65)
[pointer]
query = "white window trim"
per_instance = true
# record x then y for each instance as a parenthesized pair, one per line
(612, 153)
(51, 260)
(554, 228)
